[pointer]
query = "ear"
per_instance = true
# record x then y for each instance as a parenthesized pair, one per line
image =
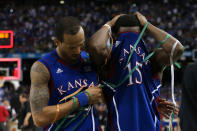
(57, 42)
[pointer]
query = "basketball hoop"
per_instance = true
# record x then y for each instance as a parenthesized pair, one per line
(1, 81)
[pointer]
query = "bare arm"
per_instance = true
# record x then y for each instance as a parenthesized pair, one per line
(97, 44)
(162, 56)
(39, 96)
(28, 115)
(26, 120)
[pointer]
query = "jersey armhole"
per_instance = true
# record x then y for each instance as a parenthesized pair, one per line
(46, 64)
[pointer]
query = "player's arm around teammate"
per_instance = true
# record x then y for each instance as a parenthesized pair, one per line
(39, 96)
(162, 55)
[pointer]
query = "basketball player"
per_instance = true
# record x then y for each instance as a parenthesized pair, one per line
(61, 73)
(133, 104)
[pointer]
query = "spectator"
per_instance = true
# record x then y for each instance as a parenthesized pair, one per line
(33, 25)
(188, 114)
(3, 118)
(25, 121)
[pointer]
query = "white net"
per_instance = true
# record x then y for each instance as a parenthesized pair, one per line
(4, 71)
(1, 82)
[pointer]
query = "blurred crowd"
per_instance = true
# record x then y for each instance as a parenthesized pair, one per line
(15, 113)
(33, 26)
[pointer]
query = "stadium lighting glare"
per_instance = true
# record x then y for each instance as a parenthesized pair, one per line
(11, 10)
(61, 1)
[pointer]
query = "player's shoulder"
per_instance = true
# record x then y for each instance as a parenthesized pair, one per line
(85, 56)
(87, 62)
(39, 67)
(48, 58)
(43, 64)
(39, 71)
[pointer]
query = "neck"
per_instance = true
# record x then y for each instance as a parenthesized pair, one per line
(64, 58)
(130, 29)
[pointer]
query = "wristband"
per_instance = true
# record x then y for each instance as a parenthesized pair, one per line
(57, 112)
(108, 26)
(89, 95)
(74, 104)
(82, 98)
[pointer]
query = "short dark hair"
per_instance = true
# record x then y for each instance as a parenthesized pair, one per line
(125, 21)
(24, 95)
(69, 25)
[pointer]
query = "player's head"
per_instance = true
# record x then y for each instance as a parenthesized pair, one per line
(124, 23)
(23, 98)
(69, 38)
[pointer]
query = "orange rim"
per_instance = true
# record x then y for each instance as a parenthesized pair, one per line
(2, 77)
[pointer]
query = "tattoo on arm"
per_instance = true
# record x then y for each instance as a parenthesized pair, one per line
(39, 93)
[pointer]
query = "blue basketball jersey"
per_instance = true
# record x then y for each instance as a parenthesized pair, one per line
(65, 79)
(132, 106)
